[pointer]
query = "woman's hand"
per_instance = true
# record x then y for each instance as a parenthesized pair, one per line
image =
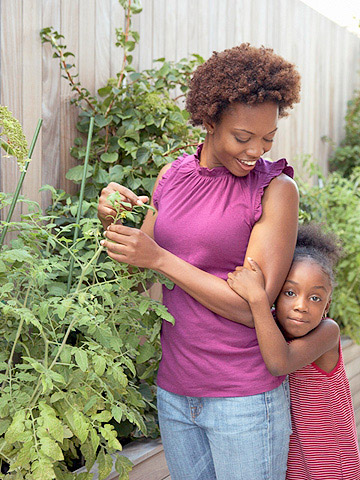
(249, 284)
(106, 212)
(132, 246)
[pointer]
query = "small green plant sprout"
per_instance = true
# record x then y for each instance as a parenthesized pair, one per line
(12, 138)
(124, 210)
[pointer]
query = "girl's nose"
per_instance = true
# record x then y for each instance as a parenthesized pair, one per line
(300, 305)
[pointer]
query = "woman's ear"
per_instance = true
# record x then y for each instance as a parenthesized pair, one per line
(210, 127)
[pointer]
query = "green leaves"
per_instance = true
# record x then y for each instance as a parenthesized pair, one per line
(81, 359)
(109, 157)
(336, 204)
(123, 466)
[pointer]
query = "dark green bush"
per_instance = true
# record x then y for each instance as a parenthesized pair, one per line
(347, 155)
(336, 204)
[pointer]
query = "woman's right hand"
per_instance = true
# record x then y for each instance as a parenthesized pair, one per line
(106, 211)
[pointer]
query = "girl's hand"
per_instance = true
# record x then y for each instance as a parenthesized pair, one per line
(131, 246)
(107, 212)
(249, 284)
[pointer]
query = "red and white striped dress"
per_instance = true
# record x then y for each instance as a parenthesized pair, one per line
(324, 443)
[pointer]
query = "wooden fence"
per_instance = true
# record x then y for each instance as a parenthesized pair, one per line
(327, 57)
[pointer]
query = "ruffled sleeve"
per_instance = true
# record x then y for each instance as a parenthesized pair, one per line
(266, 172)
(167, 175)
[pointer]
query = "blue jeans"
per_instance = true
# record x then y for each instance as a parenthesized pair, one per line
(226, 438)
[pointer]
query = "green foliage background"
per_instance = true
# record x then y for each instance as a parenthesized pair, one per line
(347, 155)
(335, 202)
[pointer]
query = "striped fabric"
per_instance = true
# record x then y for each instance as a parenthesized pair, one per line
(324, 443)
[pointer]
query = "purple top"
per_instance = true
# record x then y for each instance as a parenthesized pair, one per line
(205, 216)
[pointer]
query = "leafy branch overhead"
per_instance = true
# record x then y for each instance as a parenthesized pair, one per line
(140, 120)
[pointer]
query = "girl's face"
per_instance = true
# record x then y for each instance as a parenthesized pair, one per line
(241, 137)
(304, 299)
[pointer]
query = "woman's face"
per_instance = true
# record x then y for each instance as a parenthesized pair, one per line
(243, 134)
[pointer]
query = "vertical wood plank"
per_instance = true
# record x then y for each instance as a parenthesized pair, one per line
(117, 19)
(146, 26)
(11, 87)
(69, 112)
(193, 23)
(32, 93)
(182, 49)
(170, 29)
(102, 43)
(158, 27)
(51, 111)
(87, 40)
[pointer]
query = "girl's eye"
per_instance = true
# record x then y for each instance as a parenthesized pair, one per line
(315, 298)
(241, 141)
(289, 293)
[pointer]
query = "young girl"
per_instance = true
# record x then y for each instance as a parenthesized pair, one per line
(304, 343)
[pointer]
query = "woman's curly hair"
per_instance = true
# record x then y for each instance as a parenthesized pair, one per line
(241, 74)
(322, 247)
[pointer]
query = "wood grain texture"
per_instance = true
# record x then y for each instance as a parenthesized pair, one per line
(51, 112)
(326, 55)
(32, 93)
(11, 88)
(69, 113)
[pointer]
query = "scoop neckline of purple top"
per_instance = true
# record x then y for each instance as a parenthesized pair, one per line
(205, 171)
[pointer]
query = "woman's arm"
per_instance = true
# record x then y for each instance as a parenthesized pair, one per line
(279, 356)
(268, 244)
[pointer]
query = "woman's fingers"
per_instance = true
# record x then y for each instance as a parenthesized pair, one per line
(126, 194)
(106, 212)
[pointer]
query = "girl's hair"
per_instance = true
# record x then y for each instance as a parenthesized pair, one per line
(324, 248)
(243, 74)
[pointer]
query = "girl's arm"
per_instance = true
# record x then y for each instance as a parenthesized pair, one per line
(267, 244)
(279, 356)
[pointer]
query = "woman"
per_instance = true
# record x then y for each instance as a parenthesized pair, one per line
(222, 414)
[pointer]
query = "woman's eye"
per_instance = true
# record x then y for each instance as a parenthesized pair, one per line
(241, 141)
(269, 140)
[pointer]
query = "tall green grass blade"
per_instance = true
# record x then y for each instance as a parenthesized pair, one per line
(20, 182)
(81, 198)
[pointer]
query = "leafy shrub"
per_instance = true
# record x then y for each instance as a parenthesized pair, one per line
(75, 368)
(336, 204)
(347, 155)
(139, 127)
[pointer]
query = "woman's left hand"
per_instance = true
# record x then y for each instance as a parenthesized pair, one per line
(131, 246)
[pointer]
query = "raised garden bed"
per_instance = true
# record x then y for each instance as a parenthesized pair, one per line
(148, 455)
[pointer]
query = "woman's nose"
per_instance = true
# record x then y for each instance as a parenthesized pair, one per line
(255, 150)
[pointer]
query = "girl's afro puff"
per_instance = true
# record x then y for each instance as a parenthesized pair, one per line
(323, 247)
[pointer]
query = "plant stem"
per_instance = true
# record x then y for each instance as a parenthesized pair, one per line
(18, 333)
(85, 269)
(81, 198)
(20, 182)
(179, 148)
(121, 75)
